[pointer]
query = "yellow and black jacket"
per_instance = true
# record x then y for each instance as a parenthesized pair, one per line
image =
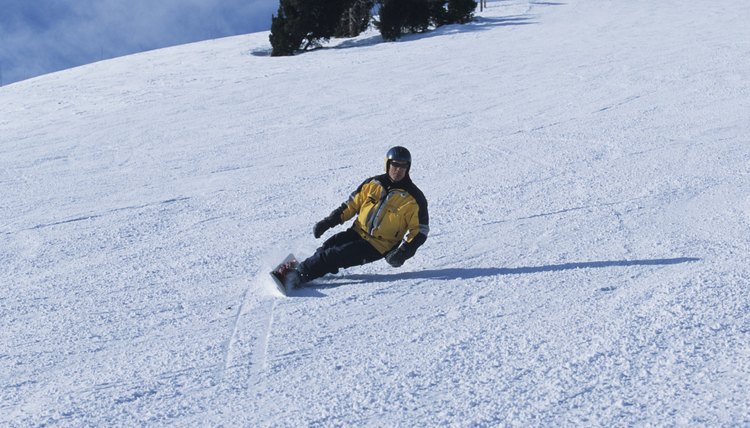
(388, 213)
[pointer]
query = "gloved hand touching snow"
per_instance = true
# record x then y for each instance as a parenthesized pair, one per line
(397, 257)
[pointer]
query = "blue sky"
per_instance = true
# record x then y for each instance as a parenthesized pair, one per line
(42, 36)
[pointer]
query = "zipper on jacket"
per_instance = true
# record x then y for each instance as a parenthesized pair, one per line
(373, 222)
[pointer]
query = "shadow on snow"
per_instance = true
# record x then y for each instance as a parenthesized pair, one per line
(471, 273)
(479, 23)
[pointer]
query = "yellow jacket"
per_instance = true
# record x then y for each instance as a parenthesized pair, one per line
(388, 213)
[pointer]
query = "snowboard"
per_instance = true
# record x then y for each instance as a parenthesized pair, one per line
(279, 272)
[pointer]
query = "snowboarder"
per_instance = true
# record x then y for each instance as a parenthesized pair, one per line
(392, 222)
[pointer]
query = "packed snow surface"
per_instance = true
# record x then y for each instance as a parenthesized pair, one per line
(587, 166)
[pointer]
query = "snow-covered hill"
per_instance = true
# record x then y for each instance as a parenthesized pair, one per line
(587, 164)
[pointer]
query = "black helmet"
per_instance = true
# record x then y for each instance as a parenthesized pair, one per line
(399, 154)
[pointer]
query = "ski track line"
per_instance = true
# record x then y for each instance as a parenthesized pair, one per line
(258, 362)
(222, 369)
(263, 344)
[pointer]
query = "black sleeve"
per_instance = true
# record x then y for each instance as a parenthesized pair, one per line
(424, 223)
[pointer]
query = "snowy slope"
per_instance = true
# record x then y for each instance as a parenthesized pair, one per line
(587, 164)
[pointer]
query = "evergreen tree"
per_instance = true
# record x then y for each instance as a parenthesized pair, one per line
(389, 19)
(460, 11)
(303, 23)
(286, 29)
(355, 19)
(300, 24)
(398, 16)
(325, 16)
(438, 12)
(418, 16)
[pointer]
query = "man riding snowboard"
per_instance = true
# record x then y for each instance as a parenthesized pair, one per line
(392, 222)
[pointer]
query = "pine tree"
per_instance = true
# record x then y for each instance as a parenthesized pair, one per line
(460, 11)
(325, 17)
(418, 16)
(438, 12)
(355, 19)
(398, 16)
(300, 24)
(286, 29)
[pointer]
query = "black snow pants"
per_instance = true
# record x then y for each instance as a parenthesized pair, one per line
(342, 250)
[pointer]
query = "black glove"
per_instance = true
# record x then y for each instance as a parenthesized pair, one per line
(323, 225)
(397, 257)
